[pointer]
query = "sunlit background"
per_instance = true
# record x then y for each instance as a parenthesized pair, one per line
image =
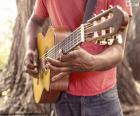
(8, 14)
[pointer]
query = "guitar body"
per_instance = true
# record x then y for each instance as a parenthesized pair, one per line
(102, 29)
(44, 89)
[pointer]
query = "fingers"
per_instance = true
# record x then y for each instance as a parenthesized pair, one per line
(59, 76)
(53, 61)
(30, 65)
(69, 56)
(31, 72)
(66, 62)
(59, 69)
(30, 68)
(58, 63)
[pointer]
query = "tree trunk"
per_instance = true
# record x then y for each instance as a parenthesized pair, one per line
(128, 70)
(134, 48)
(20, 96)
(16, 95)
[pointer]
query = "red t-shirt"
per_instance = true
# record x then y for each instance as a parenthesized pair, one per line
(69, 14)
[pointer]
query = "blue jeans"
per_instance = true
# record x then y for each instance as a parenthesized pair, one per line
(105, 104)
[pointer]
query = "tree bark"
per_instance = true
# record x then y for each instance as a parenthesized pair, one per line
(134, 47)
(128, 70)
(20, 97)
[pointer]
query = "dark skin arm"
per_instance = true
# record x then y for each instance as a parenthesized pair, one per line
(80, 60)
(33, 26)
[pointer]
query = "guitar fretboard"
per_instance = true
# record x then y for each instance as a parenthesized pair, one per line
(97, 28)
(67, 44)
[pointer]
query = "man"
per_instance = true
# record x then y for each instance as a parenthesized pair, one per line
(92, 89)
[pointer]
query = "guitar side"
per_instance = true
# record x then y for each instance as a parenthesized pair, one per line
(44, 90)
(41, 83)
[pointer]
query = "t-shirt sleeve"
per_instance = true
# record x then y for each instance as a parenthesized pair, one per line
(40, 9)
(122, 3)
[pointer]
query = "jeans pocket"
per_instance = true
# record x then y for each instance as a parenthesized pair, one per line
(110, 95)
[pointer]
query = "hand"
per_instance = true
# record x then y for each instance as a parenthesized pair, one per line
(77, 60)
(30, 62)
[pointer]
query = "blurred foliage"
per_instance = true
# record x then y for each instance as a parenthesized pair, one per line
(4, 53)
(8, 13)
(6, 41)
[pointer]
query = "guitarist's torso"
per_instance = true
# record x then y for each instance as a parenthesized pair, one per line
(68, 13)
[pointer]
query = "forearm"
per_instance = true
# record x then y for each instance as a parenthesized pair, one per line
(112, 55)
(32, 28)
(109, 58)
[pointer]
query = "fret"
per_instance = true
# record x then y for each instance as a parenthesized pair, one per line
(50, 53)
(55, 51)
(75, 43)
(98, 27)
(74, 39)
(58, 50)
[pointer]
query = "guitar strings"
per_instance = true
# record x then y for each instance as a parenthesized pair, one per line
(77, 35)
(53, 53)
(87, 33)
(59, 45)
(51, 50)
(77, 32)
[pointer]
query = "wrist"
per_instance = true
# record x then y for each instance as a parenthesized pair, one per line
(93, 62)
(28, 51)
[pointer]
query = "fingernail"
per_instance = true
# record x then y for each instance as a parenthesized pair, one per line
(48, 58)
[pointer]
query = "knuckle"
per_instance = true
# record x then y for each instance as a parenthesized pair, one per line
(28, 65)
(71, 54)
(59, 64)
(25, 66)
(74, 54)
(78, 52)
(26, 61)
(31, 72)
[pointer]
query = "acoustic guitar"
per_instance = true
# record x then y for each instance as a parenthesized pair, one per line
(102, 29)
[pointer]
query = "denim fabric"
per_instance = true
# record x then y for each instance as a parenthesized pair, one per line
(106, 104)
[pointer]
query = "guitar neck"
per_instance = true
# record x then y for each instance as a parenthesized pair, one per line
(98, 28)
(69, 43)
